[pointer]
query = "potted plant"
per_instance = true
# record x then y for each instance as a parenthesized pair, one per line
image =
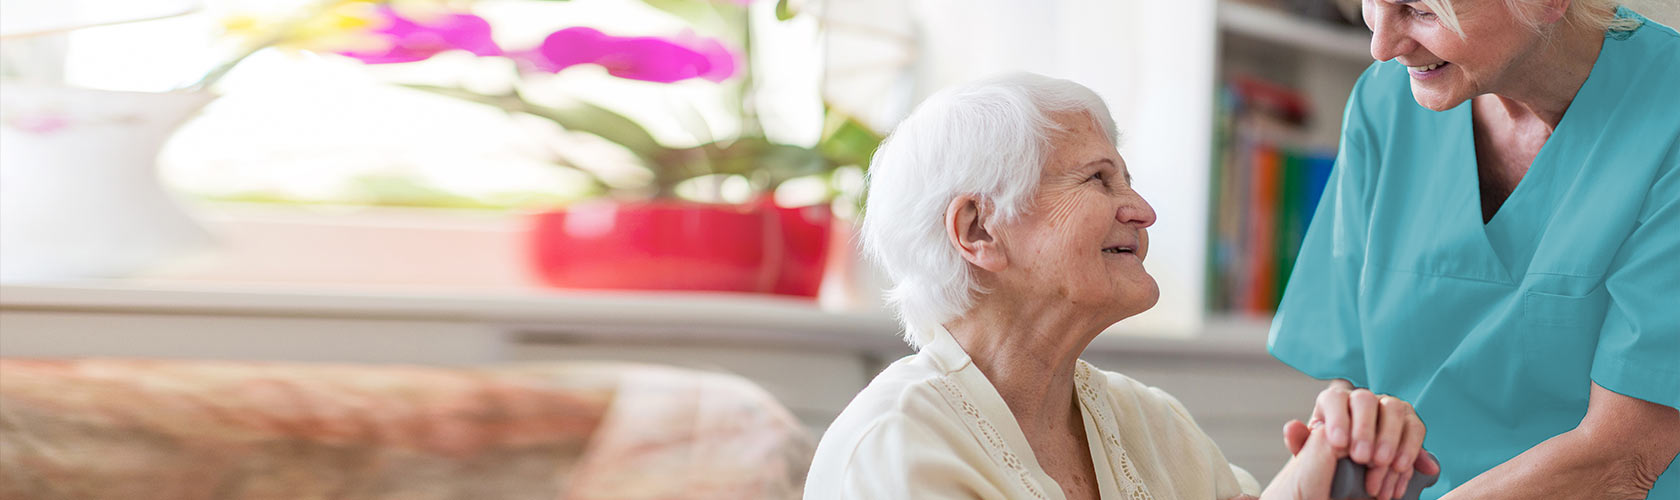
(633, 237)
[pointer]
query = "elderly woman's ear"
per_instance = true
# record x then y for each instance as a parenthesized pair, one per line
(968, 226)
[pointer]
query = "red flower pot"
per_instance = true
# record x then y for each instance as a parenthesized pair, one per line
(804, 241)
(676, 245)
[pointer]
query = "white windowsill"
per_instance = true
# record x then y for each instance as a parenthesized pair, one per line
(599, 316)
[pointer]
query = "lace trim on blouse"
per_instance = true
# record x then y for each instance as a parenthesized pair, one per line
(988, 434)
(1130, 484)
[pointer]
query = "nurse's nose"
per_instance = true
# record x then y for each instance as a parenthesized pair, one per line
(1389, 38)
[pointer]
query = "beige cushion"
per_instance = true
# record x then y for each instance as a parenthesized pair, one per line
(187, 430)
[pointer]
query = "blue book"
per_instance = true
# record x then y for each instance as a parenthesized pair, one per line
(1316, 174)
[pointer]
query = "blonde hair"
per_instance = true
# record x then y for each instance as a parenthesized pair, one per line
(1594, 14)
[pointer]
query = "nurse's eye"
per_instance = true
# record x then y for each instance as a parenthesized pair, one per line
(1421, 15)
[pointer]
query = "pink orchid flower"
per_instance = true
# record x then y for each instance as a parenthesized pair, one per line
(651, 59)
(44, 123)
(410, 40)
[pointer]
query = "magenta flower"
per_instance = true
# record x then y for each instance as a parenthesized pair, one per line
(652, 59)
(410, 40)
(44, 123)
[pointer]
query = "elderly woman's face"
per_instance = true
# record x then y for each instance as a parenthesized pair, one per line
(1447, 69)
(1084, 238)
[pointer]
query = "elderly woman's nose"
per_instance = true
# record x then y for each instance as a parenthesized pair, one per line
(1136, 211)
(1388, 35)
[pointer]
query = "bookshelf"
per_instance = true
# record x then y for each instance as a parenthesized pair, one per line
(1290, 30)
(1283, 78)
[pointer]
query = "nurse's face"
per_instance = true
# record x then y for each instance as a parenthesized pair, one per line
(1447, 69)
(1083, 240)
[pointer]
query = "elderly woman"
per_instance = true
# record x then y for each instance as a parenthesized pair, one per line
(1498, 244)
(1007, 221)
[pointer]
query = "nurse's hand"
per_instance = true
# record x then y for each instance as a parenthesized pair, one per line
(1381, 432)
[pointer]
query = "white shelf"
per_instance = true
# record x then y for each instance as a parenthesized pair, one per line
(717, 316)
(583, 316)
(1295, 31)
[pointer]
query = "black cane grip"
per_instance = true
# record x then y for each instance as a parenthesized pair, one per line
(1349, 482)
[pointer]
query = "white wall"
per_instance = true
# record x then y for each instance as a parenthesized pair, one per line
(1662, 11)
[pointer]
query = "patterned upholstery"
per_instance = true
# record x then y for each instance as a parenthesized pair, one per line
(201, 430)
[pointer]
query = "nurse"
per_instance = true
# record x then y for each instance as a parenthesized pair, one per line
(1500, 245)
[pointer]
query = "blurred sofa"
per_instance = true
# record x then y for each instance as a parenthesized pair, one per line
(198, 430)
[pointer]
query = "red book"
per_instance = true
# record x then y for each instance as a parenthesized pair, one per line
(1260, 285)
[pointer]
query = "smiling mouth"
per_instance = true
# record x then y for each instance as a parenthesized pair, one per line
(1428, 67)
(1120, 249)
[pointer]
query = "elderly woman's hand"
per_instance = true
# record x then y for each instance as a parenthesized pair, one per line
(1381, 432)
(1308, 474)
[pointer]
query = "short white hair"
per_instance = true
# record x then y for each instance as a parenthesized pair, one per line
(989, 138)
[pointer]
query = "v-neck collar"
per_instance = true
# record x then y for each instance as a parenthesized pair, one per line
(1509, 239)
(1106, 485)
(954, 361)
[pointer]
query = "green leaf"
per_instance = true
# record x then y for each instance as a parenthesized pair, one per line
(784, 11)
(847, 141)
(782, 162)
(768, 164)
(708, 15)
(578, 116)
(688, 10)
(586, 117)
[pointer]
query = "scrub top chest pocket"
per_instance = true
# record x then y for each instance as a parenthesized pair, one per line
(1578, 314)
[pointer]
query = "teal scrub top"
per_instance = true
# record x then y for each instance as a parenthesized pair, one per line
(1494, 330)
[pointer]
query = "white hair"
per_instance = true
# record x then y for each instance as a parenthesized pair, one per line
(988, 138)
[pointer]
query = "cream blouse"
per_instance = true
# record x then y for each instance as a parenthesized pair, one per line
(931, 426)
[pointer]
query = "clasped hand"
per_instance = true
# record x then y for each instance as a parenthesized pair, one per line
(1378, 431)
